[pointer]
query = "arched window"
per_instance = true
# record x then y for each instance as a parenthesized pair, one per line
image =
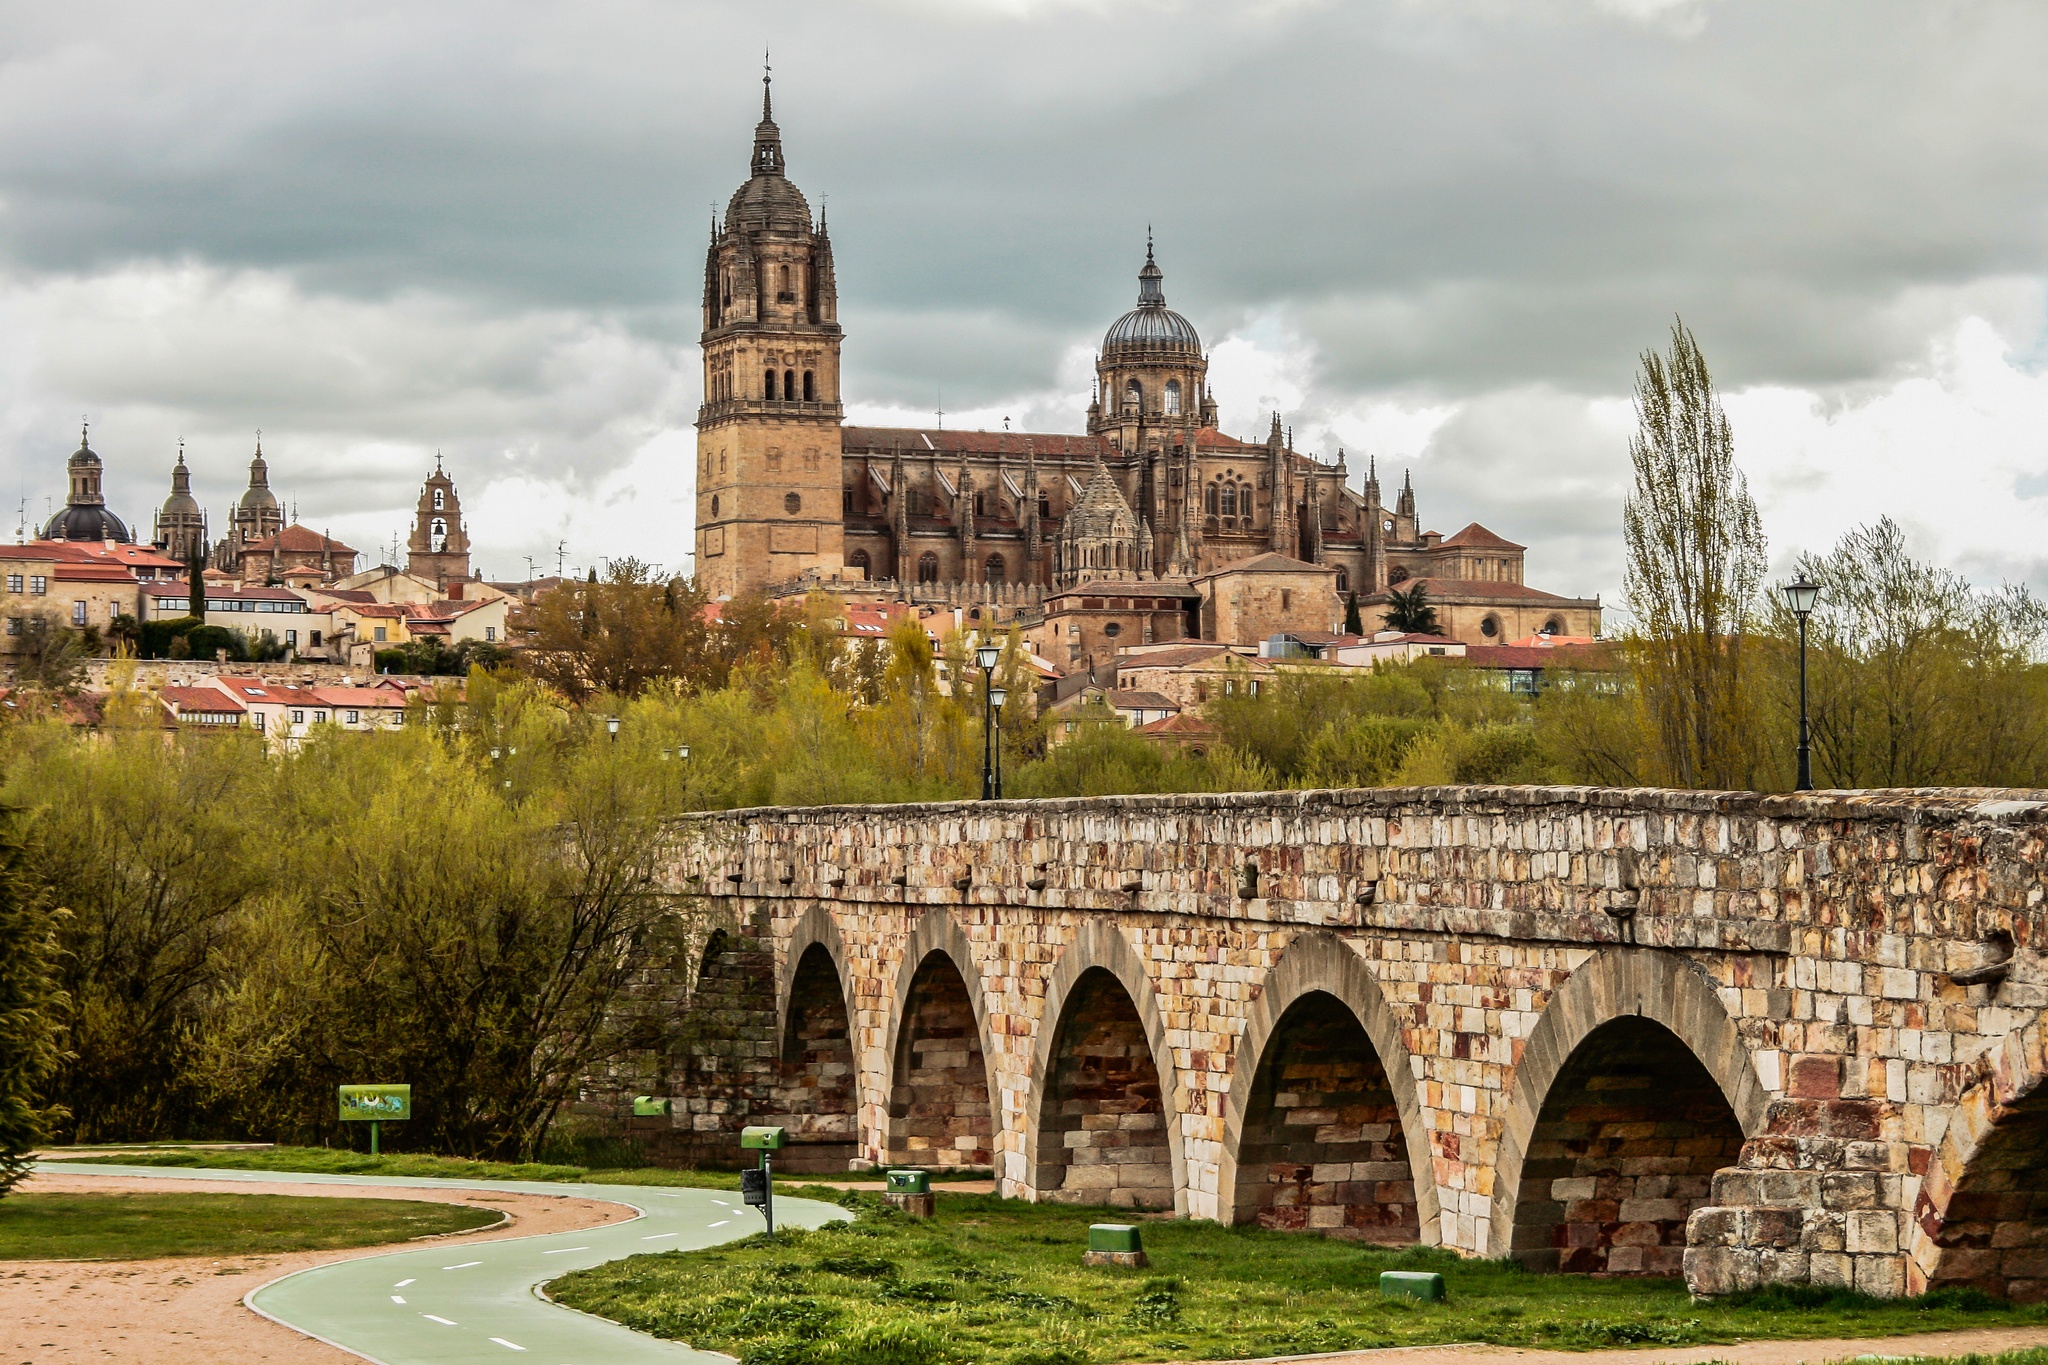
(1554, 626)
(438, 535)
(1343, 580)
(858, 560)
(1209, 500)
(1397, 574)
(927, 567)
(784, 289)
(1044, 505)
(789, 383)
(768, 385)
(1134, 394)
(1173, 398)
(792, 504)
(714, 506)
(981, 504)
(440, 499)
(1229, 499)
(993, 569)
(810, 387)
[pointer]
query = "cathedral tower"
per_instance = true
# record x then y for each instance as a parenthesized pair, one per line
(1151, 376)
(768, 433)
(438, 548)
(180, 524)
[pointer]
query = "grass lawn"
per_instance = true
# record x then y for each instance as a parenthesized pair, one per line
(994, 1280)
(126, 1227)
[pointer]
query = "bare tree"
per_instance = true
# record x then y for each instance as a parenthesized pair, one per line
(1695, 559)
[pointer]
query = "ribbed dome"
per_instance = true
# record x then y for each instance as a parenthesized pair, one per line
(1152, 326)
(259, 494)
(181, 502)
(768, 202)
(86, 521)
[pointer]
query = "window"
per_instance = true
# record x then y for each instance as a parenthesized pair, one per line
(1209, 499)
(438, 539)
(792, 504)
(14, 625)
(1489, 627)
(490, 634)
(1554, 626)
(858, 560)
(257, 716)
(1173, 398)
(377, 634)
(714, 504)
(810, 388)
(1044, 505)
(993, 569)
(291, 639)
(768, 385)
(1134, 394)
(981, 504)
(927, 567)
(351, 717)
(319, 717)
(440, 499)
(846, 499)
(298, 717)
(14, 582)
(1286, 599)
(1229, 499)
(37, 585)
(789, 383)
(316, 639)
(78, 613)
(1343, 580)
(1113, 629)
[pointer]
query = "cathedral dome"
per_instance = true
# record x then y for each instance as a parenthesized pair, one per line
(87, 522)
(259, 496)
(768, 202)
(1152, 326)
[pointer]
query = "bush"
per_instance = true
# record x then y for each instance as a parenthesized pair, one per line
(206, 642)
(158, 638)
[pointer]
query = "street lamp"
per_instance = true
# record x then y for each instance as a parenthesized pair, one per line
(996, 697)
(986, 657)
(611, 724)
(1801, 596)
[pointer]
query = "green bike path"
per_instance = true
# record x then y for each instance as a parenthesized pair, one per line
(479, 1301)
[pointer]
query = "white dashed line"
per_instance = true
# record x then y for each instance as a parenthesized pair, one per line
(508, 1345)
(659, 1235)
(397, 1299)
(431, 1318)
(464, 1266)
(401, 1284)
(559, 1250)
(721, 1203)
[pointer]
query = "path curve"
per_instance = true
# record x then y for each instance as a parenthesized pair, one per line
(441, 1305)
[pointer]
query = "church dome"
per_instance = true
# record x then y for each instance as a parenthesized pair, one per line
(259, 497)
(768, 202)
(1152, 326)
(87, 522)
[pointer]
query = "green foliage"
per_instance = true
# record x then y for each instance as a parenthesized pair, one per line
(158, 637)
(79, 1227)
(1002, 1281)
(29, 1007)
(1408, 609)
(206, 642)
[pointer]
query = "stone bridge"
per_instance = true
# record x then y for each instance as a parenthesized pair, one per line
(1750, 1038)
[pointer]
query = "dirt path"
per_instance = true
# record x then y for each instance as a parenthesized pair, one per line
(188, 1310)
(1985, 1341)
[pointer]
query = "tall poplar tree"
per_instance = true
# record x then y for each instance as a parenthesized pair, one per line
(1695, 560)
(29, 1000)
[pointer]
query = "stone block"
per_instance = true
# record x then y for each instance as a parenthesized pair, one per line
(1873, 1231)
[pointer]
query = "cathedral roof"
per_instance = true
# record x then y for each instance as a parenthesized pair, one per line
(259, 494)
(1270, 562)
(1102, 510)
(86, 521)
(1152, 326)
(1476, 536)
(181, 502)
(297, 539)
(1011, 445)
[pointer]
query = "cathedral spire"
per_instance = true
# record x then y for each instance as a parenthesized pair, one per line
(767, 137)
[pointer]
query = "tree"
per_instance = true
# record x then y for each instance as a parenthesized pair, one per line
(1409, 610)
(51, 655)
(618, 635)
(1353, 623)
(196, 571)
(1695, 549)
(29, 1006)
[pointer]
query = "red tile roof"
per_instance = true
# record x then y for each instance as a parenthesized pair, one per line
(1170, 658)
(93, 573)
(1469, 590)
(206, 700)
(1478, 537)
(247, 690)
(1137, 700)
(1269, 562)
(1595, 658)
(912, 441)
(1180, 725)
(300, 539)
(365, 698)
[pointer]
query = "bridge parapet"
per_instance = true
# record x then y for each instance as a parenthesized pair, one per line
(1529, 1021)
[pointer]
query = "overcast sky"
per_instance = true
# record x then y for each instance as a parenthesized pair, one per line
(1436, 231)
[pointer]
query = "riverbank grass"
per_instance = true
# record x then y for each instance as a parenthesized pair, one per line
(136, 1227)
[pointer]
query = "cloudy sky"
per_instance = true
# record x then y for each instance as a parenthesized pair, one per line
(1437, 231)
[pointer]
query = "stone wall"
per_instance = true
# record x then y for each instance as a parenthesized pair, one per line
(1846, 987)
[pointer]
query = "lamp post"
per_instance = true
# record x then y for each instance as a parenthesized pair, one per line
(986, 657)
(997, 696)
(611, 725)
(1801, 596)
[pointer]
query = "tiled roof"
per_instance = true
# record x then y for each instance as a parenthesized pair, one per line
(1170, 658)
(1135, 700)
(1180, 723)
(918, 441)
(1478, 537)
(1269, 562)
(247, 690)
(210, 700)
(93, 573)
(1469, 590)
(379, 610)
(300, 539)
(347, 594)
(366, 698)
(1596, 658)
(147, 556)
(1144, 587)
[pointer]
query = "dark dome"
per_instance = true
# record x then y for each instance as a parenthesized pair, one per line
(770, 202)
(83, 521)
(1152, 326)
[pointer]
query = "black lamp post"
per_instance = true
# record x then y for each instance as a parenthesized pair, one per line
(997, 696)
(986, 657)
(611, 724)
(1801, 596)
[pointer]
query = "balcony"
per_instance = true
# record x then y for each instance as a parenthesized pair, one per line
(729, 408)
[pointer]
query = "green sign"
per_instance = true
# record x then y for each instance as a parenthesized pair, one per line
(650, 1106)
(762, 1139)
(376, 1103)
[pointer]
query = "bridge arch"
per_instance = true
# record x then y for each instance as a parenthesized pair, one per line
(939, 998)
(816, 1087)
(1981, 1218)
(1321, 982)
(1099, 988)
(1626, 1016)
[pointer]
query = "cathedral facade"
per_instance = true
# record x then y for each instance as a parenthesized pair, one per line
(1153, 490)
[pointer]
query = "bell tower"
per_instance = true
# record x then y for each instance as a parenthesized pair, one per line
(768, 433)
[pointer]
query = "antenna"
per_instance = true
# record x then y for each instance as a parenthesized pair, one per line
(942, 407)
(561, 553)
(529, 569)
